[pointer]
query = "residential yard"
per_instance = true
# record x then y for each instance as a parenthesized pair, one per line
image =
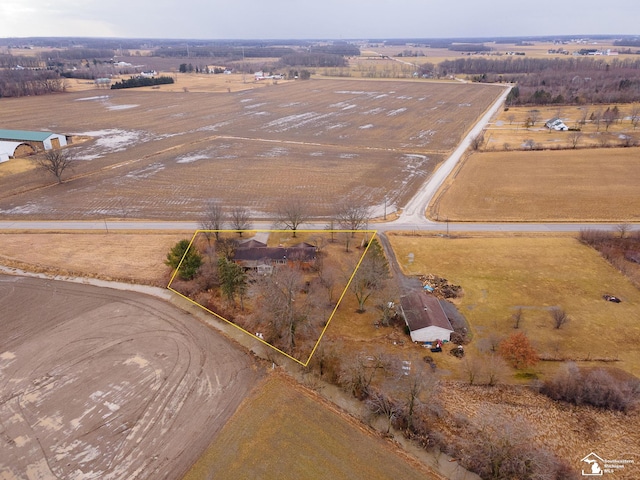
(509, 130)
(538, 186)
(502, 273)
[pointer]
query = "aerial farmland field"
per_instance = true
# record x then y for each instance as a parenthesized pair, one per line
(161, 155)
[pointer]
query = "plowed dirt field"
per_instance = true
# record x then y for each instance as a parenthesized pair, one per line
(104, 384)
(163, 155)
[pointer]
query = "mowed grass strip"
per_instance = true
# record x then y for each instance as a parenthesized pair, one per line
(285, 432)
(502, 273)
(568, 185)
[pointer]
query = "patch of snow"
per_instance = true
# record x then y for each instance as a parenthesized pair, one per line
(395, 112)
(99, 97)
(122, 107)
(192, 158)
(365, 127)
(146, 172)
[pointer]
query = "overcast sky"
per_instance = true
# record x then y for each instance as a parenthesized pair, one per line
(334, 19)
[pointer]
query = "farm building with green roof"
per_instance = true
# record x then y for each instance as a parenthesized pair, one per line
(18, 143)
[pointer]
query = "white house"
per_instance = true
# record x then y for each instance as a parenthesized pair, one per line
(556, 124)
(425, 317)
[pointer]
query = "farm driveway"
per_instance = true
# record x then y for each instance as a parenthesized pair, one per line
(98, 383)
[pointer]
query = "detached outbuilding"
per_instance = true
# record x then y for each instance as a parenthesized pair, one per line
(36, 140)
(425, 317)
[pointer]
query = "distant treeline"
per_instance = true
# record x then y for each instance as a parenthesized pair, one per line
(469, 47)
(12, 61)
(313, 60)
(224, 51)
(134, 82)
(555, 80)
(627, 42)
(20, 83)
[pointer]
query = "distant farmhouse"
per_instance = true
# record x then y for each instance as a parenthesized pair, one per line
(556, 124)
(425, 317)
(19, 143)
(255, 255)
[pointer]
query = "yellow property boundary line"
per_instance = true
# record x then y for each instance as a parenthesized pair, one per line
(344, 291)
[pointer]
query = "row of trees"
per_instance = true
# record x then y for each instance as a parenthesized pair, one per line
(553, 80)
(20, 83)
(134, 82)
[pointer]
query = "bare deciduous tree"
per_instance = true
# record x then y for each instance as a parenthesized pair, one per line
(559, 317)
(352, 215)
(291, 213)
(56, 162)
(382, 404)
(623, 229)
(574, 138)
(240, 219)
(517, 318)
(214, 220)
(371, 275)
(477, 141)
(283, 309)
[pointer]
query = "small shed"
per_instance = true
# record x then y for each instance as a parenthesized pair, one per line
(38, 140)
(425, 317)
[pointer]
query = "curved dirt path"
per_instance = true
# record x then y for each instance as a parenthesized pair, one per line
(100, 383)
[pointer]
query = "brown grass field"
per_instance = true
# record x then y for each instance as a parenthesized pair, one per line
(162, 155)
(567, 185)
(283, 431)
(129, 257)
(502, 273)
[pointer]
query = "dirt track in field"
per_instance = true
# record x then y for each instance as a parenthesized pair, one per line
(104, 384)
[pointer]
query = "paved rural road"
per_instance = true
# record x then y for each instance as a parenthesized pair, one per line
(414, 211)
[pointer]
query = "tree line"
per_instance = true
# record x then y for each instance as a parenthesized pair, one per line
(571, 81)
(134, 82)
(20, 83)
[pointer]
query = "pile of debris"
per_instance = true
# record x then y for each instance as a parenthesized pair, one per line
(440, 287)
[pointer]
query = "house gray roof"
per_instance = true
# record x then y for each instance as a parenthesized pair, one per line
(24, 135)
(302, 252)
(422, 310)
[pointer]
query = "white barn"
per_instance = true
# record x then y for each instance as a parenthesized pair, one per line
(38, 140)
(425, 317)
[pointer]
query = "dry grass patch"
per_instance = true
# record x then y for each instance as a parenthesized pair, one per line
(502, 273)
(285, 431)
(568, 185)
(137, 257)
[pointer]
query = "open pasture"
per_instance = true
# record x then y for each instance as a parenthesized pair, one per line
(537, 186)
(502, 273)
(160, 155)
